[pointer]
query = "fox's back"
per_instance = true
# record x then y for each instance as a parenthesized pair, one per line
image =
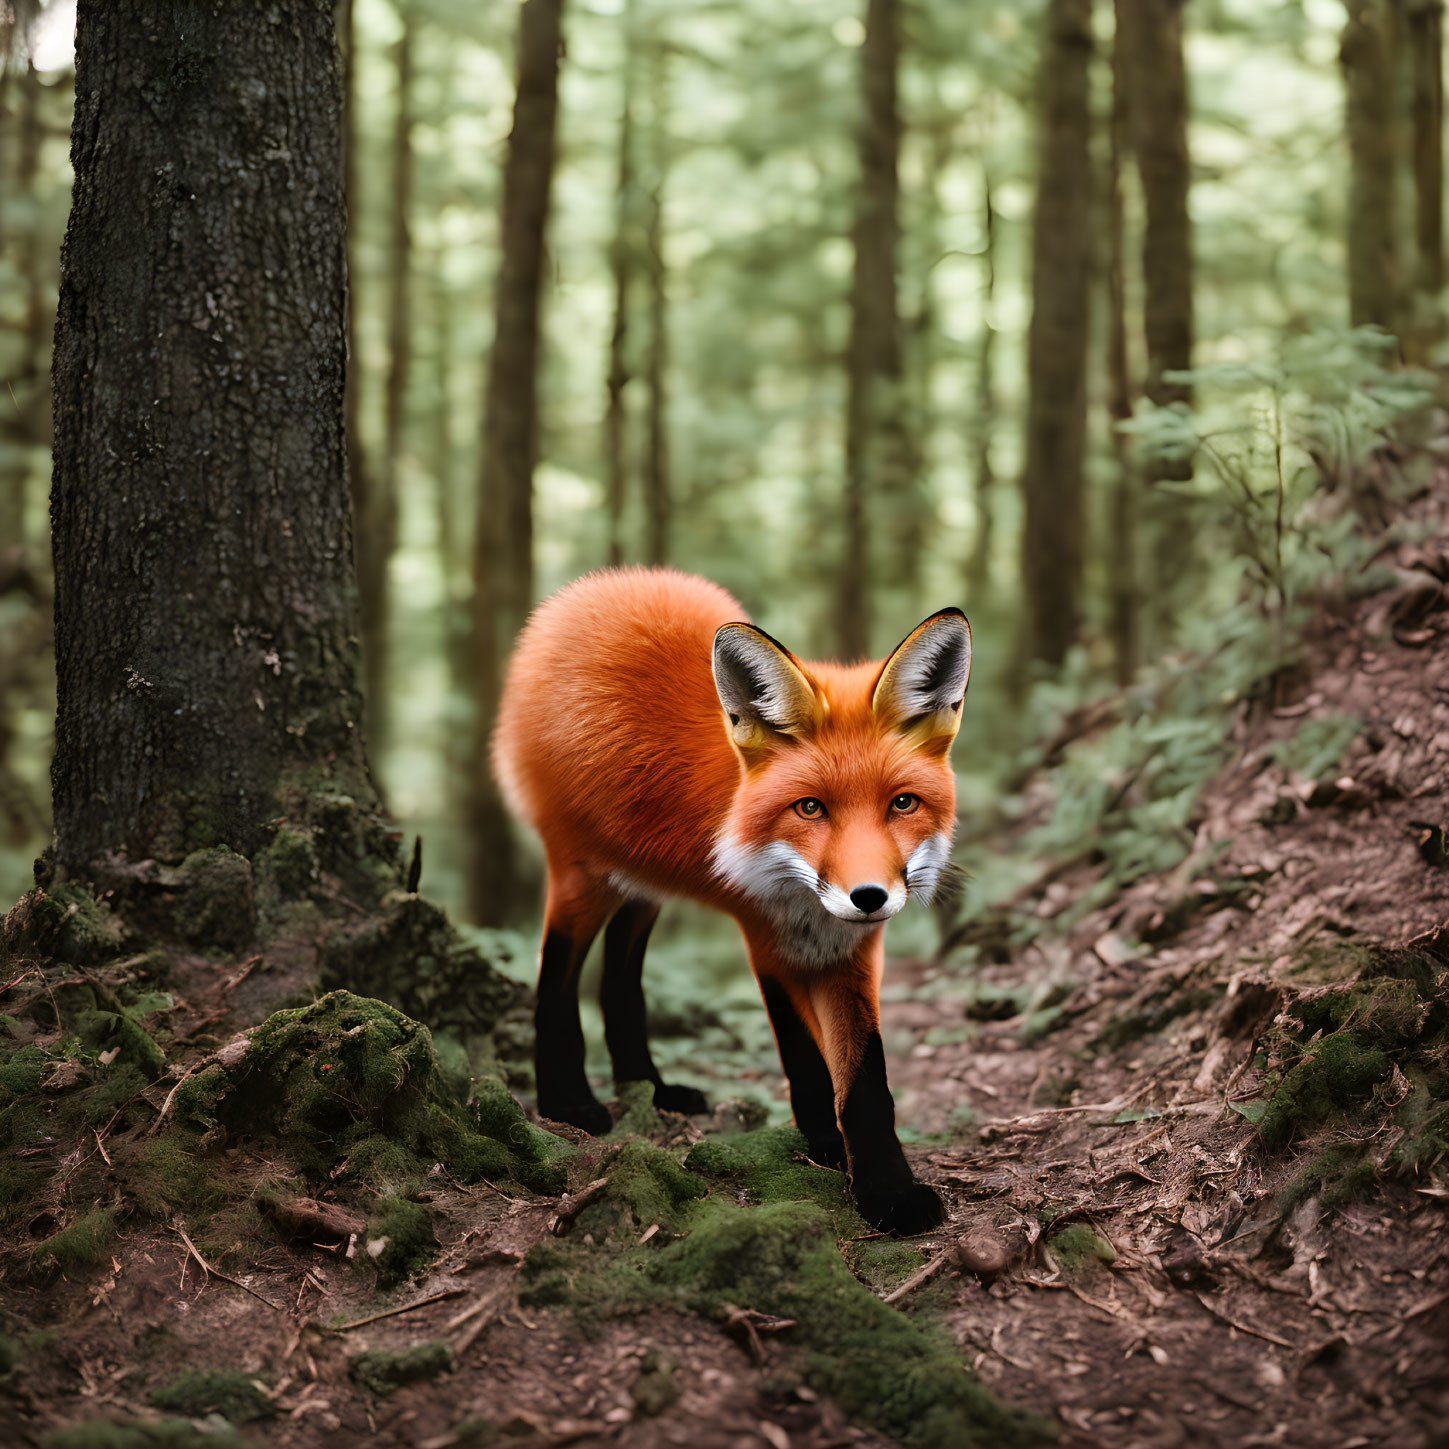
(610, 740)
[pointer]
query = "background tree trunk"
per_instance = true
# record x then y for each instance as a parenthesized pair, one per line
(1057, 343)
(503, 554)
(1425, 26)
(622, 262)
(1366, 55)
(359, 481)
(873, 361)
(204, 609)
(1149, 33)
(378, 526)
(656, 453)
(1122, 601)
(978, 568)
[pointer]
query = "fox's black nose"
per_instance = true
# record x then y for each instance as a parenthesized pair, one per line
(868, 898)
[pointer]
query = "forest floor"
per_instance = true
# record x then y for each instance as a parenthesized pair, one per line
(1194, 1149)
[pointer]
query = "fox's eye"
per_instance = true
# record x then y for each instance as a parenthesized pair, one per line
(809, 808)
(905, 804)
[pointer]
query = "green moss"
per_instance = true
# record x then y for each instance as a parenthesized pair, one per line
(70, 925)
(769, 1165)
(171, 1175)
(1364, 1058)
(1337, 1073)
(1079, 1248)
(83, 1244)
(399, 1239)
(884, 1263)
(743, 1223)
(1340, 1174)
(23, 1071)
(119, 1032)
(286, 869)
(199, 1392)
(144, 1434)
(381, 1371)
(354, 1085)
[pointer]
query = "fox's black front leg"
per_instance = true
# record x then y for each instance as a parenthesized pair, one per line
(886, 1190)
(812, 1095)
(564, 1094)
(621, 997)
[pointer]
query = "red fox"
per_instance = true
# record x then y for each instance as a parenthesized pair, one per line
(663, 747)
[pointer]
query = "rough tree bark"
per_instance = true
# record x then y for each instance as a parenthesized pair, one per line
(204, 607)
(622, 262)
(503, 551)
(873, 426)
(1366, 54)
(1052, 478)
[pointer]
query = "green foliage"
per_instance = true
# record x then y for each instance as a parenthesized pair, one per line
(1318, 744)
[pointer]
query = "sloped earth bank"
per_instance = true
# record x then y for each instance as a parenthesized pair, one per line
(1194, 1147)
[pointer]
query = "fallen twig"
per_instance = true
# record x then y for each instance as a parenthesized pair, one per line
(573, 1204)
(216, 1272)
(929, 1270)
(405, 1308)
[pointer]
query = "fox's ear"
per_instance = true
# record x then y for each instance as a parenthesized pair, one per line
(921, 686)
(762, 688)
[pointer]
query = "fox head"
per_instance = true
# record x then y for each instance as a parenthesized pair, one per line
(846, 803)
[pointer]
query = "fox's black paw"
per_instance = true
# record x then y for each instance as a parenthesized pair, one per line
(914, 1208)
(828, 1151)
(688, 1100)
(589, 1115)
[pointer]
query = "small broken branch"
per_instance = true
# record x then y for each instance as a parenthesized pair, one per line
(217, 1273)
(405, 1308)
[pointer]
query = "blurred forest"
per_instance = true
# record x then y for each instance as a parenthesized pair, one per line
(799, 333)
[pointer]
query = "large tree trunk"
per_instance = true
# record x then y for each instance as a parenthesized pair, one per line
(503, 554)
(204, 609)
(622, 263)
(1052, 479)
(1366, 55)
(377, 538)
(873, 473)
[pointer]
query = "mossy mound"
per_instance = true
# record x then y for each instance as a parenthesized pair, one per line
(399, 1239)
(144, 1434)
(199, 1392)
(1360, 1069)
(411, 955)
(745, 1222)
(383, 1371)
(353, 1087)
(63, 923)
(1079, 1249)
